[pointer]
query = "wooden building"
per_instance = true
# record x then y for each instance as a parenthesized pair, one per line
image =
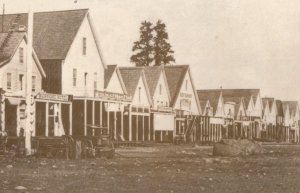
(184, 100)
(13, 47)
(137, 114)
(162, 115)
(211, 127)
(293, 121)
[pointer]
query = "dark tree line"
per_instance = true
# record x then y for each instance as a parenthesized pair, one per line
(153, 47)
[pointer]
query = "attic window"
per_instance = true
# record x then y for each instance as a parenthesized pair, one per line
(95, 80)
(84, 46)
(33, 83)
(160, 89)
(8, 81)
(140, 94)
(21, 55)
(85, 78)
(186, 85)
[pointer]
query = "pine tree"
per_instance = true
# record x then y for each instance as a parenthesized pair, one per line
(143, 47)
(162, 48)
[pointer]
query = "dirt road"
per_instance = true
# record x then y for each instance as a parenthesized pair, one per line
(164, 168)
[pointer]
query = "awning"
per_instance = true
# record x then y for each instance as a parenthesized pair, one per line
(13, 101)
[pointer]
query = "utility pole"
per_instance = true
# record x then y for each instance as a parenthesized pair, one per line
(28, 128)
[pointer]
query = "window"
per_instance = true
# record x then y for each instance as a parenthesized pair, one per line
(95, 80)
(74, 77)
(33, 83)
(8, 81)
(21, 76)
(160, 89)
(84, 46)
(21, 55)
(140, 94)
(186, 85)
(85, 78)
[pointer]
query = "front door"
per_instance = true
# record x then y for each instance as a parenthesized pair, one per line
(11, 119)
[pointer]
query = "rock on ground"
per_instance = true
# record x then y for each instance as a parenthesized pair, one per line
(237, 147)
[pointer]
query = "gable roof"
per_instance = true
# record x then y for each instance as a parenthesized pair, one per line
(131, 76)
(279, 108)
(53, 32)
(152, 76)
(266, 105)
(109, 71)
(9, 43)
(210, 95)
(293, 105)
(285, 107)
(271, 102)
(175, 75)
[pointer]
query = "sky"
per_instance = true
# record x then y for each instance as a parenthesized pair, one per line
(227, 43)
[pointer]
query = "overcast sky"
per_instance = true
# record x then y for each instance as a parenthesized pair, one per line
(228, 43)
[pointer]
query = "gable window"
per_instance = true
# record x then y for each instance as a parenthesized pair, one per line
(140, 94)
(33, 83)
(8, 81)
(84, 46)
(21, 55)
(95, 80)
(186, 85)
(74, 77)
(21, 77)
(85, 78)
(160, 88)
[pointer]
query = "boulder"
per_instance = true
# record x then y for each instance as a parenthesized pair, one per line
(237, 147)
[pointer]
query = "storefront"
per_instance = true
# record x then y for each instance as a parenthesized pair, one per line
(53, 114)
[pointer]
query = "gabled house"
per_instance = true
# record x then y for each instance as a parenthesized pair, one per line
(215, 99)
(137, 116)
(113, 81)
(13, 65)
(67, 46)
(294, 119)
(162, 115)
(266, 113)
(184, 98)
(207, 108)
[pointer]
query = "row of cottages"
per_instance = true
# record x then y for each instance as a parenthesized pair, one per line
(75, 93)
(230, 113)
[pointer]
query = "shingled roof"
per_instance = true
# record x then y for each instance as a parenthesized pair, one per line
(53, 32)
(175, 76)
(9, 43)
(131, 76)
(109, 71)
(152, 76)
(292, 106)
(279, 108)
(210, 95)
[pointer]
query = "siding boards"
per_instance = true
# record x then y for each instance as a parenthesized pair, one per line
(53, 81)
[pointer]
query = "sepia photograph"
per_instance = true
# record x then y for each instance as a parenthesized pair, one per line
(149, 96)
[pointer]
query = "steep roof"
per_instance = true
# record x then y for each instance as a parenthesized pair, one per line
(9, 42)
(285, 106)
(210, 95)
(131, 76)
(109, 71)
(265, 103)
(271, 102)
(293, 105)
(152, 76)
(279, 107)
(53, 32)
(175, 75)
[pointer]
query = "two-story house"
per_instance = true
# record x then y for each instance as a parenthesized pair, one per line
(13, 76)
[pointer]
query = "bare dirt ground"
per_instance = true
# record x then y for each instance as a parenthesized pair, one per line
(163, 168)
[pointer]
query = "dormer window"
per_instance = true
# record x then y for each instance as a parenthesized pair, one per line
(21, 55)
(84, 46)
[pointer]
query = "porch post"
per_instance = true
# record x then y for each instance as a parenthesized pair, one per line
(122, 125)
(70, 119)
(149, 128)
(130, 123)
(85, 117)
(47, 120)
(101, 113)
(93, 116)
(115, 125)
